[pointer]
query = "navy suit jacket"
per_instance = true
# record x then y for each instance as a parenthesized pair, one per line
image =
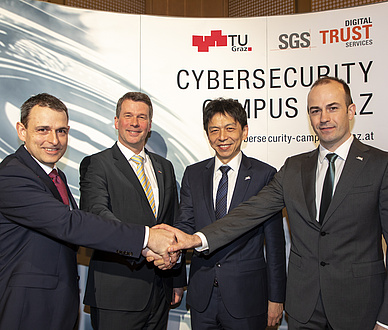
(110, 188)
(38, 243)
(240, 267)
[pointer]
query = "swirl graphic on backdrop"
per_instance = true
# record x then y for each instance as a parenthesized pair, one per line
(46, 48)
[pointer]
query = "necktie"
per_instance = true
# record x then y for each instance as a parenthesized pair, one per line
(327, 191)
(60, 186)
(144, 181)
(222, 192)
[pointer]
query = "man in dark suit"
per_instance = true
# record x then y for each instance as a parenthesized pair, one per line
(336, 275)
(228, 289)
(40, 226)
(122, 293)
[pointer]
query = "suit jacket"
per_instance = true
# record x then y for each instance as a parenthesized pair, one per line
(38, 243)
(110, 188)
(342, 259)
(240, 266)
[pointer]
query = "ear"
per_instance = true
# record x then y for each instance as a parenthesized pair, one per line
(116, 123)
(351, 111)
(245, 132)
(22, 131)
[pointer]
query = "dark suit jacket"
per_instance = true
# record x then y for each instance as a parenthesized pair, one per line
(240, 266)
(38, 243)
(343, 257)
(110, 188)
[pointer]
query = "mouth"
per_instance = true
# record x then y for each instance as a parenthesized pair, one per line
(224, 146)
(51, 149)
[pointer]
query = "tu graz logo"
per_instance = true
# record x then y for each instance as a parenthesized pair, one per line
(238, 43)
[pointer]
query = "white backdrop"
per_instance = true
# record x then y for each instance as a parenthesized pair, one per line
(89, 59)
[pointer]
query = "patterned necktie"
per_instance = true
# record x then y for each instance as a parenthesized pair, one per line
(222, 192)
(60, 186)
(144, 181)
(327, 191)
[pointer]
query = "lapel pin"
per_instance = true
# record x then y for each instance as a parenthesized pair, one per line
(160, 172)
(360, 158)
(247, 178)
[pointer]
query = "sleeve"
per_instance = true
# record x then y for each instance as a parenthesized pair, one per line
(383, 204)
(26, 201)
(247, 215)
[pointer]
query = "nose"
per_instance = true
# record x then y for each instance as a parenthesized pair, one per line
(222, 136)
(325, 116)
(53, 137)
(134, 121)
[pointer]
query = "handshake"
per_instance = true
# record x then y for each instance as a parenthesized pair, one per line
(165, 244)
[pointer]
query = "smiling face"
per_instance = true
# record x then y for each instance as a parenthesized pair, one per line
(329, 115)
(46, 134)
(225, 136)
(133, 124)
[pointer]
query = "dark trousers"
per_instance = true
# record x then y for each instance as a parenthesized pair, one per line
(217, 317)
(153, 317)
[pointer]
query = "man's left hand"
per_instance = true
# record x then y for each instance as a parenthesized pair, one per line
(275, 313)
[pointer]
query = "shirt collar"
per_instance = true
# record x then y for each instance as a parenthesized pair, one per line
(234, 163)
(128, 153)
(45, 167)
(342, 151)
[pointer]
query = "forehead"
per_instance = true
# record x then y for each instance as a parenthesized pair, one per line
(45, 116)
(222, 119)
(130, 106)
(329, 93)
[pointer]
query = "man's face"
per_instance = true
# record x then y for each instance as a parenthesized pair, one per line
(225, 136)
(329, 115)
(46, 134)
(133, 125)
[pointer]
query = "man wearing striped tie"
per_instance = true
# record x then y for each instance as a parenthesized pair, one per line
(130, 184)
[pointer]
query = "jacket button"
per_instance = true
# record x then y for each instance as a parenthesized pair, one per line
(323, 264)
(218, 264)
(323, 233)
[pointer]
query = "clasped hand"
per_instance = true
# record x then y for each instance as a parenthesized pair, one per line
(165, 245)
(156, 251)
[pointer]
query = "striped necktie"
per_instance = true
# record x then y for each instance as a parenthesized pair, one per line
(144, 181)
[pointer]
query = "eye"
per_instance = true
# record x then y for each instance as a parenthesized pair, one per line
(63, 131)
(314, 111)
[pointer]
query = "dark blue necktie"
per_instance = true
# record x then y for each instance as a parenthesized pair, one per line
(327, 191)
(222, 192)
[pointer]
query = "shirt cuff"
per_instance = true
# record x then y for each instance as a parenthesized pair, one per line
(382, 325)
(146, 236)
(205, 245)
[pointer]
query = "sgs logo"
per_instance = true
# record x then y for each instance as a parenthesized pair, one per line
(294, 40)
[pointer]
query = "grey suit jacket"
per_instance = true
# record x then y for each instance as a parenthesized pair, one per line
(110, 188)
(342, 259)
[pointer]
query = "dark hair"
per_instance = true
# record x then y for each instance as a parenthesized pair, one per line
(136, 97)
(42, 100)
(327, 79)
(224, 106)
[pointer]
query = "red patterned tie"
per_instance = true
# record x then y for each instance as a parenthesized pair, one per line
(60, 186)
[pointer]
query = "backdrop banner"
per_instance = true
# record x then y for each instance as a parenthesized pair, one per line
(89, 59)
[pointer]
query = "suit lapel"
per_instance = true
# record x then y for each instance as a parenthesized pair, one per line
(30, 162)
(356, 160)
(244, 178)
(126, 169)
(207, 184)
(309, 169)
(72, 201)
